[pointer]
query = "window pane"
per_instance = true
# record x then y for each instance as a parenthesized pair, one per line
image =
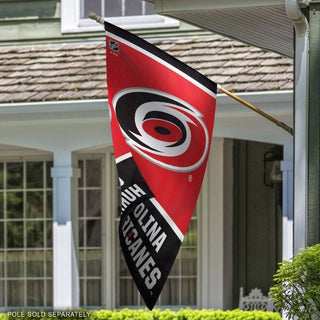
(81, 179)
(81, 233)
(93, 203)
(93, 233)
(90, 6)
(15, 175)
(15, 265)
(15, 205)
(189, 261)
(93, 292)
(80, 203)
(170, 292)
(1, 175)
(189, 292)
(1, 235)
(93, 176)
(49, 204)
(175, 270)
(82, 293)
(1, 205)
(190, 238)
(94, 261)
(35, 174)
(113, 8)
(49, 234)
(124, 271)
(15, 292)
(128, 293)
(149, 8)
(49, 165)
(15, 234)
(34, 207)
(82, 260)
(133, 7)
(35, 289)
(35, 264)
(34, 234)
(49, 293)
(2, 261)
(49, 263)
(1, 293)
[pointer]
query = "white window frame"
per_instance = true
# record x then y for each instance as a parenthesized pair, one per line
(108, 181)
(85, 248)
(71, 22)
(10, 157)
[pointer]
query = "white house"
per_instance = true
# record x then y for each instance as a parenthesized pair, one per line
(58, 188)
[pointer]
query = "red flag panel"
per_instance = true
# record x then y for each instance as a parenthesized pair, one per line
(162, 115)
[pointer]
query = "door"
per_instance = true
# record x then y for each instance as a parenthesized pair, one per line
(257, 216)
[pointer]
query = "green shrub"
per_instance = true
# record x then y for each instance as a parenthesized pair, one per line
(156, 314)
(297, 285)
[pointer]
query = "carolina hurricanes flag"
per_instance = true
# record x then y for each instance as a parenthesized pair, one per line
(162, 115)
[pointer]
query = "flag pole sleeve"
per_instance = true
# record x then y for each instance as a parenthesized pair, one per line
(254, 108)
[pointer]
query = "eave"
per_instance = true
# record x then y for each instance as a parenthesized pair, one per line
(259, 23)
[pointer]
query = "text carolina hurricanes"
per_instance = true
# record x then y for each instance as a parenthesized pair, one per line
(141, 220)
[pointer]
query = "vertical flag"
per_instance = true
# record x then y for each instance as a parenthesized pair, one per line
(162, 115)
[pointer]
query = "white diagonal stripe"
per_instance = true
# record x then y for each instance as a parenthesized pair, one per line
(164, 214)
(123, 157)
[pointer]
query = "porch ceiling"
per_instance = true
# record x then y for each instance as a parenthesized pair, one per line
(261, 23)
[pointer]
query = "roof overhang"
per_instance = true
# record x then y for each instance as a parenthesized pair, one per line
(231, 120)
(261, 23)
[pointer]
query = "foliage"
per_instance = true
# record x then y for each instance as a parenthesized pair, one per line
(156, 314)
(297, 284)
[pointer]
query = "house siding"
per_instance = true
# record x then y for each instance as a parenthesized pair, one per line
(39, 21)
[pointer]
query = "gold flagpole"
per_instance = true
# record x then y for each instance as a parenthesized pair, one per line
(254, 108)
(282, 125)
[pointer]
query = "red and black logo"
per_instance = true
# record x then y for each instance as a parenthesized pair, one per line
(162, 128)
(113, 45)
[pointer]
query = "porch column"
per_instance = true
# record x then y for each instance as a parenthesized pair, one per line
(215, 229)
(301, 97)
(313, 214)
(65, 264)
(287, 203)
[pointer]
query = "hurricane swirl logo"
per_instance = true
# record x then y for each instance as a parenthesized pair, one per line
(162, 128)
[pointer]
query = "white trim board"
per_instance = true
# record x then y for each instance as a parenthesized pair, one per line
(233, 120)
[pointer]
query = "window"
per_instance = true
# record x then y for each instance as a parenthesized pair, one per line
(128, 14)
(115, 8)
(25, 234)
(90, 226)
(181, 286)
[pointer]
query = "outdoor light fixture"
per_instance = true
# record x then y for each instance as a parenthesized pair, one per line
(272, 171)
(271, 165)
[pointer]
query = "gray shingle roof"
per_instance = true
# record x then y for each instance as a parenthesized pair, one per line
(77, 71)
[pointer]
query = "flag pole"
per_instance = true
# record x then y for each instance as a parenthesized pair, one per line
(254, 108)
(282, 125)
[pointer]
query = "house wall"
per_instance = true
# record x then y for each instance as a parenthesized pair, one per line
(39, 21)
(66, 130)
